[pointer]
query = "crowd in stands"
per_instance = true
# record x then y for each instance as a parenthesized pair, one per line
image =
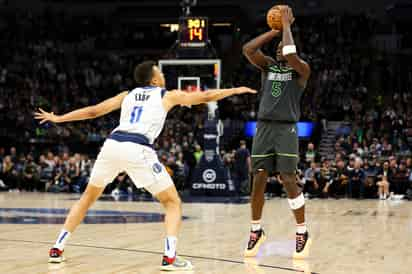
(44, 66)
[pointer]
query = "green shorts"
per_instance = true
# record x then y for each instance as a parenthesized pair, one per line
(275, 147)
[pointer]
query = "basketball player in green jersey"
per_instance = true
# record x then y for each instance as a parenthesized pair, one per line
(275, 146)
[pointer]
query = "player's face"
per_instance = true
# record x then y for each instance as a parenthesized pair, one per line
(279, 56)
(158, 78)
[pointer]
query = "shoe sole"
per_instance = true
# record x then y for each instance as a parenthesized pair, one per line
(171, 268)
(253, 252)
(57, 260)
(305, 252)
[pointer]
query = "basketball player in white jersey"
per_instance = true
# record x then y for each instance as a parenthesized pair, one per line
(129, 149)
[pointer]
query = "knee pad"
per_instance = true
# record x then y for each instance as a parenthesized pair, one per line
(297, 202)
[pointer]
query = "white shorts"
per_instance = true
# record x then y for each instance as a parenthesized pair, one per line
(138, 161)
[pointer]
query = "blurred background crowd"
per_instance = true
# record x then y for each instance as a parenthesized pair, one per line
(59, 62)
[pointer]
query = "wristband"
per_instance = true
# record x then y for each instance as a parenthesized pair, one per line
(289, 49)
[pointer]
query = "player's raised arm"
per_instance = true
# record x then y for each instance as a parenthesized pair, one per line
(85, 113)
(289, 48)
(178, 97)
(253, 53)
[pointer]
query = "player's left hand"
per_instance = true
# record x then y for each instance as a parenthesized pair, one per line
(241, 90)
(45, 116)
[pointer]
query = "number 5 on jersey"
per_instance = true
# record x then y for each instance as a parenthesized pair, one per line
(136, 113)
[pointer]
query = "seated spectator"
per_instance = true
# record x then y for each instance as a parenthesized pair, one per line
(275, 186)
(122, 185)
(46, 172)
(73, 171)
(371, 173)
(311, 186)
(383, 182)
(324, 178)
(340, 180)
(9, 174)
(62, 179)
(400, 180)
(357, 178)
(30, 179)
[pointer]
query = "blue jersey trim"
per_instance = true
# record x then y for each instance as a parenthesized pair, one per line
(123, 136)
(145, 87)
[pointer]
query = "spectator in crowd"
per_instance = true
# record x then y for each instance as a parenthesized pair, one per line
(340, 180)
(324, 178)
(356, 185)
(30, 180)
(400, 179)
(242, 168)
(9, 174)
(310, 154)
(371, 173)
(122, 185)
(311, 186)
(383, 181)
(62, 179)
(198, 153)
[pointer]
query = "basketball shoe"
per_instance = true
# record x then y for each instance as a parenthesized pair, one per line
(257, 238)
(175, 264)
(303, 243)
(56, 255)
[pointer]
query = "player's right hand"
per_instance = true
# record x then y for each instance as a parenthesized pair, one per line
(241, 90)
(287, 15)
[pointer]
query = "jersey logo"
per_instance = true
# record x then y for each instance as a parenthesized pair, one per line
(157, 168)
(279, 75)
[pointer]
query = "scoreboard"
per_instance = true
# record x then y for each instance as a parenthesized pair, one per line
(193, 32)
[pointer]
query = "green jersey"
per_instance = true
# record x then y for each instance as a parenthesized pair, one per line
(280, 95)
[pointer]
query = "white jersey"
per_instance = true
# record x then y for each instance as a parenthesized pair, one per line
(143, 112)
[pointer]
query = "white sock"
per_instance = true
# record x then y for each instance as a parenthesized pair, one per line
(384, 196)
(301, 228)
(256, 226)
(170, 246)
(61, 240)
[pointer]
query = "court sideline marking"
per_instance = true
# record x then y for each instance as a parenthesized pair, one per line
(161, 253)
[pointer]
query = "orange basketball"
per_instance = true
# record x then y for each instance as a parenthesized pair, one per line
(274, 19)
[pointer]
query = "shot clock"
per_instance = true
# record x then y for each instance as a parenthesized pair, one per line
(193, 32)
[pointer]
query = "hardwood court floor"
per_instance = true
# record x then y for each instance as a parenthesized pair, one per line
(349, 236)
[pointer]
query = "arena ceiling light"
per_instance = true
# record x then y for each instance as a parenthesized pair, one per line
(222, 24)
(173, 27)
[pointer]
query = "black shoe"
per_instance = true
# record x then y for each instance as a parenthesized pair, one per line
(303, 243)
(257, 238)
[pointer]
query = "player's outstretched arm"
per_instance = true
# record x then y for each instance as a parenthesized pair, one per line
(289, 48)
(85, 113)
(252, 51)
(178, 97)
